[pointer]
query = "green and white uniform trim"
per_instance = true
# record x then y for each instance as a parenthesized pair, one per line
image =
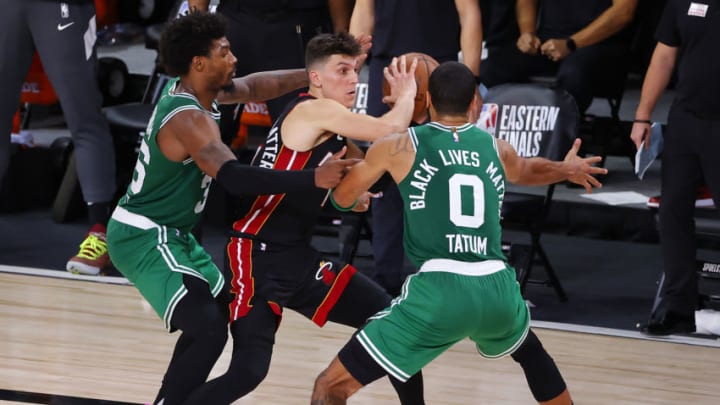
(464, 288)
(149, 237)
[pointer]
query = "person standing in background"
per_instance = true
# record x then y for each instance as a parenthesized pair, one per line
(398, 27)
(63, 34)
(272, 34)
(688, 37)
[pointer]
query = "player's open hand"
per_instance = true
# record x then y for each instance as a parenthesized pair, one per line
(329, 174)
(582, 170)
(401, 79)
(365, 42)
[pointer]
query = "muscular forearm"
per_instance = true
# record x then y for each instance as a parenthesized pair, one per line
(526, 11)
(199, 4)
(238, 178)
(400, 116)
(656, 80)
(541, 171)
(363, 18)
(471, 36)
(263, 86)
(607, 24)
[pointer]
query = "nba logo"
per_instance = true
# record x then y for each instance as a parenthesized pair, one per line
(488, 118)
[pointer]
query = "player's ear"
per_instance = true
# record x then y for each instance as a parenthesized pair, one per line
(197, 63)
(314, 78)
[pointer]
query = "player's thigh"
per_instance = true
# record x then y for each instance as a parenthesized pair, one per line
(337, 292)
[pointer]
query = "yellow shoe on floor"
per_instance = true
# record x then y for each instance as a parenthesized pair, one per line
(93, 255)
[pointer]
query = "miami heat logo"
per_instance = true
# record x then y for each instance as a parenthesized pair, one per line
(325, 273)
(488, 118)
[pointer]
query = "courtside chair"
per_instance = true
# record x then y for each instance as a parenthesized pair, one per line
(553, 125)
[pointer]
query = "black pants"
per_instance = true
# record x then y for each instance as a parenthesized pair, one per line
(582, 73)
(690, 153)
(56, 31)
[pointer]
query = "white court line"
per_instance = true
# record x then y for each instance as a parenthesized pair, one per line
(63, 274)
(595, 330)
(566, 327)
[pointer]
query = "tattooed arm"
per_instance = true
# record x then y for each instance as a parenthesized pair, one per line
(393, 153)
(263, 86)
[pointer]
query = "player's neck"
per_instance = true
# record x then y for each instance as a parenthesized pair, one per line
(204, 97)
(451, 120)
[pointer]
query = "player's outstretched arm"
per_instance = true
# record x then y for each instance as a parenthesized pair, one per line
(194, 133)
(393, 153)
(263, 86)
(541, 171)
(313, 117)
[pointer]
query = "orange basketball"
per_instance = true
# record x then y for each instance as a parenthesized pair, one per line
(425, 66)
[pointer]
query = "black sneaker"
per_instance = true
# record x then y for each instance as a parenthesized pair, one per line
(670, 324)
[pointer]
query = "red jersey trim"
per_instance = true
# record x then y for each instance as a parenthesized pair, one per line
(332, 297)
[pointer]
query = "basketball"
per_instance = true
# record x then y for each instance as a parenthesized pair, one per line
(425, 66)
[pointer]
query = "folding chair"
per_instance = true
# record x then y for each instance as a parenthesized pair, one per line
(539, 122)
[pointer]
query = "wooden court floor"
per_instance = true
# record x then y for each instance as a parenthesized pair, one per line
(90, 340)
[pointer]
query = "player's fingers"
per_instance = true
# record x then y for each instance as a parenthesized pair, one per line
(338, 155)
(350, 162)
(576, 145)
(593, 160)
(413, 65)
(595, 182)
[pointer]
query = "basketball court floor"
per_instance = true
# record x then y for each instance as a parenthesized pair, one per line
(69, 340)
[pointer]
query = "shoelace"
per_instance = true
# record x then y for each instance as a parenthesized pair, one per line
(92, 247)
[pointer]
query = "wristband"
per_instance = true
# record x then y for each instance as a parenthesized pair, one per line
(571, 45)
(337, 206)
(636, 121)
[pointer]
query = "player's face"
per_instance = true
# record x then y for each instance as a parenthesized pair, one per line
(339, 79)
(222, 63)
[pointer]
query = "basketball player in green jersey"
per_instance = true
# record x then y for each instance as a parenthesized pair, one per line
(451, 176)
(149, 235)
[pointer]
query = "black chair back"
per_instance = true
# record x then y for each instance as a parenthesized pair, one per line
(538, 121)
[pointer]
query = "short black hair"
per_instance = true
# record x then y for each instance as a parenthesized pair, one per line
(323, 46)
(452, 88)
(189, 36)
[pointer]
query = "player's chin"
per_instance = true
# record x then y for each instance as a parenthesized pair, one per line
(349, 100)
(228, 87)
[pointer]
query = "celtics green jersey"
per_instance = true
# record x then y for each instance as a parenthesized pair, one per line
(168, 193)
(452, 195)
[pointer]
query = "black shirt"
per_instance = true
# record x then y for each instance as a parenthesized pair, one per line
(428, 26)
(693, 26)
(563, 18)
(499, 22)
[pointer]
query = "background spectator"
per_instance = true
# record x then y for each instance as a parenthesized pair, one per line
(63, 34)
(580, 42)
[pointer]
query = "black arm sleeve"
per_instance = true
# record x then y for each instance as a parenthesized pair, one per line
(239, 178)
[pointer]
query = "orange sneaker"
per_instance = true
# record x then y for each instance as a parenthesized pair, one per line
(93, 255)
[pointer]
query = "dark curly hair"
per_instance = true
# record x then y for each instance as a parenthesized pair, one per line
(322, 46)
(189, 36)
